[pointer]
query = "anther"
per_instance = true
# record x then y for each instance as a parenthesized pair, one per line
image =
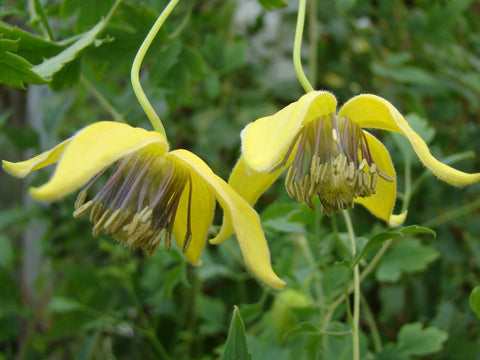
(336, 165)
(83, 209)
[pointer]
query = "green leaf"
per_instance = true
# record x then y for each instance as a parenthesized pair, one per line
(415, 229)
(88, 11)
(384, 236)
(212, 312)
(34, 49)
(413, 340)
(374, 242)
(233, 56)
(475, 300)
(236, 344)
(14, 69)
(283, 311)
(391, 352)
(13, 216)
(63, 305)
(7, 252)
(51, 66)
(273, 4)
(407, 256)
(406, 74)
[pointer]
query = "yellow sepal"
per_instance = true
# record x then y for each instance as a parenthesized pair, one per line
(23, 168)
(202, 208)
(91, 150)
(249, 184)
(372, 111)
(266, 140)
(244, 219)
(382, 202)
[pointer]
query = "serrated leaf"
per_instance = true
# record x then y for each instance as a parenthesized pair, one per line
(14, 69)
(414, 340)
(273, 4)
(236, 344)
(34, 49)
(49, 67)
(407, 256)
(475, 301)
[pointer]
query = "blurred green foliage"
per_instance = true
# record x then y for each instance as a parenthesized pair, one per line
(215, 66)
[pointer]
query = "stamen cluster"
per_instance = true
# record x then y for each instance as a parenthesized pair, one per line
(332, 160)
(139, 202)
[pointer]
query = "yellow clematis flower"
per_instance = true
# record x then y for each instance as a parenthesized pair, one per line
(329, 155)
(151, 193)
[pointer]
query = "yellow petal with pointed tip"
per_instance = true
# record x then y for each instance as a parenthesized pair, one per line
(91, 150)
(23, 168)
(249, 184)
(202, 207)
(382, 202)
(266, 140)
(245, 220)
(372, 111)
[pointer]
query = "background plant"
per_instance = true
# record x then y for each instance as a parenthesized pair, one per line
(216, 66)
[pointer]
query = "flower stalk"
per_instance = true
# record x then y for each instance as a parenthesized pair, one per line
(137, 62)
(297, 47)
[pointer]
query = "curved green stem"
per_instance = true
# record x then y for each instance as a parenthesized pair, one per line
(356, 290)
(313, 41)
(134, 74)
(297, 47)
(102, 100)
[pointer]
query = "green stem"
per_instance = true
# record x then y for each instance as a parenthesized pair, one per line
(137, 62)
(112, 10)
(453, 214)
(368, 315)
(313, 37)
(41, 16)
(408, 184)
(356, 290)
(297, 48)
(149, 332)
(101, 99)
(368, 269)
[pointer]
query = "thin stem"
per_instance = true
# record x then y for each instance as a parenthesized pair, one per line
(408, 184)
(35, 6)
(368, 315)
(112, 10)
(149, 332)
(368, 269)
(313, 40)
(102, 100)
(356, 289)
(453, 214)
(297, 47)
(137, 62)
(302, 241)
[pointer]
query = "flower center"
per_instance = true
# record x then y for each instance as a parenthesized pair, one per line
(332, 160)
(139, 202)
